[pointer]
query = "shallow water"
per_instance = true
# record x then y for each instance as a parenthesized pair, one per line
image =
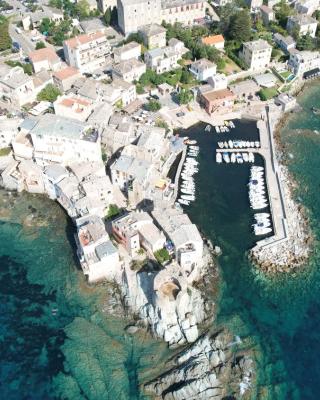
(55, 340)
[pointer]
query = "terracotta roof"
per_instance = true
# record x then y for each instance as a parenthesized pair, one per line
(73, 102)
(213, 39)
(43, 54)
(83, 39)
(218, 95)
(66, 73)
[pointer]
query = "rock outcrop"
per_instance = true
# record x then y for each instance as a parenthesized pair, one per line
(166, 302)
(208, 369)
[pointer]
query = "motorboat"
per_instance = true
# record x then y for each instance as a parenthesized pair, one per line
(184, 202)
(251, 157)
(191, 142)
(245, 157)
(217, 129)
(221, 145)
(230, 143)
(225, 144)
(226, 157)
(233, 158)
(262, 231)
(257, 144)
(189, 197)
(218, 157)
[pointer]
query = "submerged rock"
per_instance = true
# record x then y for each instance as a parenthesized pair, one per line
(207, 369)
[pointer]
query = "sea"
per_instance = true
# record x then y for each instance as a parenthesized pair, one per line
(58, 342)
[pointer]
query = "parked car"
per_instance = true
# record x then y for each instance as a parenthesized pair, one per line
(180, 114)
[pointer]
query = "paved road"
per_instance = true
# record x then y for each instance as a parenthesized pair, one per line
(26, 44)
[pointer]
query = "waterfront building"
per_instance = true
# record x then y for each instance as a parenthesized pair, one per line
(32, 176)
(203, 69)
(52, 175)
(286, 101)
(127, 52)
(154, 36)
(87, 52)
(216, 41)
(129, 70)
(303, 24)
(136, 230)
(302, 62)
(11, 177)
(307, 7)
(185, 237)
(256, 54)
(267, 14)
(286, 43)
(73, 106)
(134, 14)
(98, 256)
(165, 59)
(217, 100)
(46, 59)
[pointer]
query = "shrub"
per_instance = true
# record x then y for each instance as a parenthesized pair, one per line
(49, 93)
(162, 256)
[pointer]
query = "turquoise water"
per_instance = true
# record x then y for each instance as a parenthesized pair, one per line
(56, 342)
(279, 316)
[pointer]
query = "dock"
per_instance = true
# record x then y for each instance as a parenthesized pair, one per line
(177, 177)
(273, 183)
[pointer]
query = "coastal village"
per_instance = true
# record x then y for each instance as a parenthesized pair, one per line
(93, 98)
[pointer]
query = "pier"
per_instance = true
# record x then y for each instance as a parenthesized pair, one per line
(177, 177)
(273, 183)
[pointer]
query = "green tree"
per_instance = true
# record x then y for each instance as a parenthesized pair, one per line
(107, 16)
(113, 211)
(184, 96)
(153, 105)
(114, 16)
(46, 26)
(162, 255)
(135, 37)
(240, 27)
(305, 42)
(49, 93)
(5, 39)
(27, 68)
(56, 4)
(40, 45)
(283, 11)
(82, 9)
(186, 77)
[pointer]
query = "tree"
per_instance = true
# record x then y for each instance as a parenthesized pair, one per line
(275, 53)
(186, 77)
(135, 37)
(82, 9)
(56, 4)
(40, 45)
(153, 105)
(114, 16)
(49, 93)
(5, 40)
(107, 16)
(46, 26)
(185, 96)
(162, 255)
(305, 42)
(27, 68)
(283, 11)
(113, 210)
(240, 27)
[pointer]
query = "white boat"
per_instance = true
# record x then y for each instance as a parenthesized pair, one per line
(251, 157)
(226, 158)
(257, 144)
(245, 157)
(221, 145)
(187, 191)
(262, 231)
(225, 144)
(231, 124)
(219, 158)
(189, 197)
(217, 129)
(266, 215)
(185, 202)
(208, 128)
(226, 129)
(233, 158)
(230, 143)
(192, 142)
